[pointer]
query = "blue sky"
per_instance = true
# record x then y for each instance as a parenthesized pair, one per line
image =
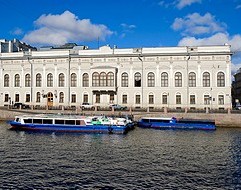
(125, 23)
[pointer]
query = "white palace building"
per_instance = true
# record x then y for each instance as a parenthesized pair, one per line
(196, 77)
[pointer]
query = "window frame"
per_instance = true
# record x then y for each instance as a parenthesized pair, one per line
(178, 79)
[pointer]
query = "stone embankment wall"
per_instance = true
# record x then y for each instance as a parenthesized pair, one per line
(221, 119)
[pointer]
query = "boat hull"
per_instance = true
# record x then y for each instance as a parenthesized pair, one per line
(70, 128)
(178, 125)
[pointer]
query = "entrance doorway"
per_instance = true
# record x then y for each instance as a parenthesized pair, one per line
(50, 99)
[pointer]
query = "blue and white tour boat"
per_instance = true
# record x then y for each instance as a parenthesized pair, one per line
(174, 123)
(72, 123)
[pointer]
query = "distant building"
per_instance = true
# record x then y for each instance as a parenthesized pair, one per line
(236, 88)
(196, 77)
(8, 46)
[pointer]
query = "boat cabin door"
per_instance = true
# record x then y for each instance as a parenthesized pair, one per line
(50, 99)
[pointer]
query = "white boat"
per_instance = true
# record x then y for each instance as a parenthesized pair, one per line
(71, 123)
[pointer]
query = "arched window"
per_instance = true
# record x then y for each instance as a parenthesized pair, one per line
(151, 80)
(73, 80)
(50, 80)
(164, 79)
(137, 78)
(178, 79)
(95, 79)
(124, 80)
(61, 80)
(85, 80)
(102, 79)
(38, 80)
(17, 80)
(38, 95)
(110, 79)
(61, 97)
(192, 79)
(220, 79)
(206, 79)
(27, 80)
(6, 80)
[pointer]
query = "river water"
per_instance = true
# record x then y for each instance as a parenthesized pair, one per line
(141, 159)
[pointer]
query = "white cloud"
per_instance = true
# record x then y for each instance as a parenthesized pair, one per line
(218, 39)
(17, 31)
(235, 67)
(63, 28)
(183, 3)
(180, 4)
(238, 6)
(195, 24)
(126, 28)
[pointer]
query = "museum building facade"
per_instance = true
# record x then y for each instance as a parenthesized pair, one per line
(190, 77)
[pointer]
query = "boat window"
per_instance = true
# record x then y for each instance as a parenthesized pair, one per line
(37, 121)
(70, 122)
(145, 120)
(47, 121)
(80, 122)
(159, 120)
(59, 121)
(27, 120)
(17, 119)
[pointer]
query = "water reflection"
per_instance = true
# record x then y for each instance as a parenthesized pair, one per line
(141, 159)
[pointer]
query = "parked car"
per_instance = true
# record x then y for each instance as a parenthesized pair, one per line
(118, 107)
(23, 106)
(86, 105)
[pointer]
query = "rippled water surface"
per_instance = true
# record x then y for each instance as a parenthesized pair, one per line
(142, 159)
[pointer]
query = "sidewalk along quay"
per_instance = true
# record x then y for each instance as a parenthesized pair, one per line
(225, 119)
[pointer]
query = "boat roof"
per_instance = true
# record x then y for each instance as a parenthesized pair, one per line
(62, 116)
(158, 118)
(52, 116)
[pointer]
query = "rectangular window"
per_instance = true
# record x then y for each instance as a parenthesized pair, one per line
(207, 100)
(138, 99)
(220, 99)
(38, 97)
(6, 97)
(69, 122)
(59, 121)
(111, 98)
(61, 97)
(97, 98)
(151, 99)
(164, 99)
(27, 97)
(85, 98)
(178, 99)
(73, 98)
(16, 97)
(39, 121)
(192, 99)
(47, 121)
(124, 99)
